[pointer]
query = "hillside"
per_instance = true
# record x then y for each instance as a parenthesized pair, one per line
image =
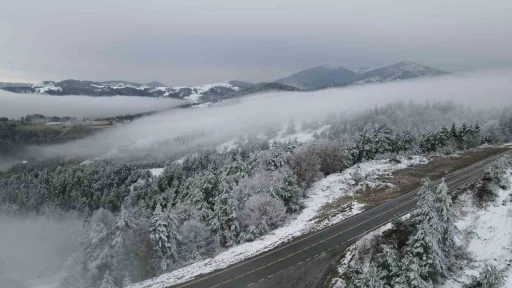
(201, 93)
(399, 71)
(319, 77)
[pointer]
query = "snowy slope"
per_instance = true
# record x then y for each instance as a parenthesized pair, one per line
(399, 71)
(322, 192)
(194, 94)
(487, 234)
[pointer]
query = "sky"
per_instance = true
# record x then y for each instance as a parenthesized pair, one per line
(204, 41)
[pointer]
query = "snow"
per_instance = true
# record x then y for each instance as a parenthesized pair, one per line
(199, 90)
(202, 105)
(322, 192)
(487, 234)
(45, 87)
(156, 172)
(300, 136)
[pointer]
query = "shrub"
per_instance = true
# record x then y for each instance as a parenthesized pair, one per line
(331, 157)
(263, 208)
(491, 277)
(305, 165)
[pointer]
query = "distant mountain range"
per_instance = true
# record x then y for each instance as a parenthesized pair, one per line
(315, 78)
(333, 76)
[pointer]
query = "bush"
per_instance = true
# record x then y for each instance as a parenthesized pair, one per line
(491, 277)
(331, 157)
(305, 164)
(263, 208)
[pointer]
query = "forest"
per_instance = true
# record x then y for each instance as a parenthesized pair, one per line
(138, 225)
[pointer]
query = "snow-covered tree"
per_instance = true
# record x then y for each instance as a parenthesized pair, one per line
(276, 159)
(424, 248)
(164, 236)
(263, 208)
(447, 217)
(223, 220)
(371, 277)
(108, 282)
(286, 188)
(490, 277)
(388, 263)
(196, 241)
(305, 165)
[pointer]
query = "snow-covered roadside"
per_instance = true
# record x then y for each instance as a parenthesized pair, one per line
(351, 251)
(322, 192)
(487, 234)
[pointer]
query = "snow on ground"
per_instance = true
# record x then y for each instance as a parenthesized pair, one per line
(351, 251)
(156, 172)
(487, 234)
(322, 192)
(199, 90)
(300, 136)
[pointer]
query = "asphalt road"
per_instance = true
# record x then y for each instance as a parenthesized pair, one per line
(319, 244)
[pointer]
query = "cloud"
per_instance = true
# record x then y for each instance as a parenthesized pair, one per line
(252, 114)
(19, 105)
(184, 43)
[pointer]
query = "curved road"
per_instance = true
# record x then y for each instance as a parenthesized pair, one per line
(266, 265)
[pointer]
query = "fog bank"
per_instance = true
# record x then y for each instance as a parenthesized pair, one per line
(228, 119)
(13, 105)
(34, 249)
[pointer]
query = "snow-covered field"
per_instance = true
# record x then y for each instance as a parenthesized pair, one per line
(322, 192)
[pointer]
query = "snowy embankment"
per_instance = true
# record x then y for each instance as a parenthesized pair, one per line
(487, 235)
(323, 192)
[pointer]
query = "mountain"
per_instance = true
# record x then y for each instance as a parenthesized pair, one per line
(14, 84)
(399, 71)
(156, 84)
(320, 77)
(361, 70)
(264, 87)
(194, 94)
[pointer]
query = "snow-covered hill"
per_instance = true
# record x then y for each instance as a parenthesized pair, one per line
(398, 71)
(194, 94)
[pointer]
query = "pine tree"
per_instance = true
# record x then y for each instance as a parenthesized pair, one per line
(447, 218)
(108, 282)
(491, 277)
(387, 262)
(223, 220)
(424, 248)
(288, 190)
(276, 159)
(164, 237)
(371, 277)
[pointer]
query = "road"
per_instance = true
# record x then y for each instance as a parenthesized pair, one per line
(318, 244)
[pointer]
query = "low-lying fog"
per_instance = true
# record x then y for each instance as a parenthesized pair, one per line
(13, 105)
(33, 250)
(226, 120)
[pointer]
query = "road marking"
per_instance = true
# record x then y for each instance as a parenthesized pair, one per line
(454, 174)
(317, 243)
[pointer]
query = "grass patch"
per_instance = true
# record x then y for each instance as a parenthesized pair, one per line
(409, 179)
(340, 205)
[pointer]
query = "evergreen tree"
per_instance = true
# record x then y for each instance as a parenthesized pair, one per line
(387, 262)
(276, 159)
(424, 250)
(223, 220)
(371, 277)
(447, 218)
(108, 282)
(164, 237)
(490, 277)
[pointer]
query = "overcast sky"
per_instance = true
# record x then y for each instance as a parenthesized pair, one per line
(195, 42)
